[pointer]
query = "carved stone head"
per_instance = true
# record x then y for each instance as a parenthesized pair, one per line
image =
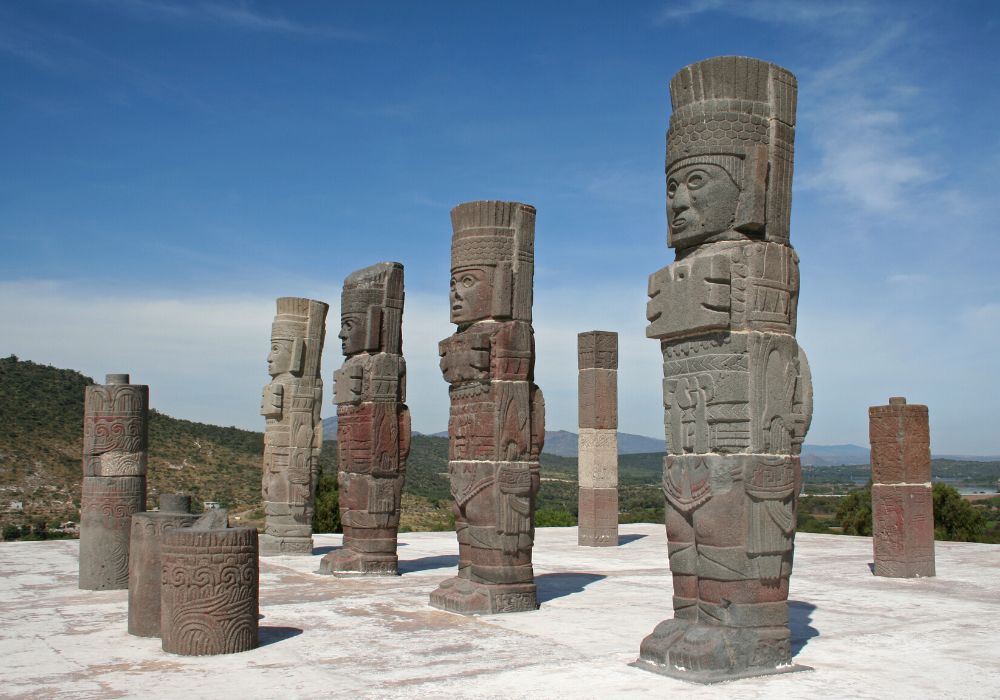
(492, 261)
(371, 310)
(297, 337)
(729, 152)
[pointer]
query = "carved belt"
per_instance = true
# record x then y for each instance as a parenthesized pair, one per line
(687, 482)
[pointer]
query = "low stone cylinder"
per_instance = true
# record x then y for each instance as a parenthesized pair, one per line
(145, 568)
(175, 503)
(106, 509)
(209, 594)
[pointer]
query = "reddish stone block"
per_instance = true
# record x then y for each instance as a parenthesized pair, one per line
(598, 517)
(903, 530)
(900, 442)
(598, 398)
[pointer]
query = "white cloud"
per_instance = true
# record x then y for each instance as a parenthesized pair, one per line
(782, 11)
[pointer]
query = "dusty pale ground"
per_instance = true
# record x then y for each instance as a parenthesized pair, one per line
(864, 637)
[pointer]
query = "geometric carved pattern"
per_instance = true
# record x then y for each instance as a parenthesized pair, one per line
(115, 443)
(145, 570)
(737, 391)
(496, 425)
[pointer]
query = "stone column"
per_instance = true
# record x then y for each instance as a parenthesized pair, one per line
(736, 389)
(209, 595)
(373, 423)
(497, 423)
(115, 441)
(902, 496)
(294, 434)
(144, 565)
(598, 453)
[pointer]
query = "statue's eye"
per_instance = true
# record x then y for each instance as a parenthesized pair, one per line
(696, 179)
(671, 188)
(468, 281)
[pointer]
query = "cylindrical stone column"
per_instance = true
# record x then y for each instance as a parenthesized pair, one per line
(115, 439)
(902, 496)
(144, 565)
(598, 445)
(209, 596)
(175, 503)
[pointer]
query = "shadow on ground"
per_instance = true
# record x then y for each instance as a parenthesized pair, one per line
(626, 539)
(551, 586)
(443, 561)
(799, 617)
(273, 635)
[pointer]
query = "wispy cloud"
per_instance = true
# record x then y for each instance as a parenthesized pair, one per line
(241, 16)
(782, 11)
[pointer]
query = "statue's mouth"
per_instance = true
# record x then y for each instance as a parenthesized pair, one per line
(679, 223)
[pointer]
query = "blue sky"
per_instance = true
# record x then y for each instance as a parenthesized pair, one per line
(168, 169)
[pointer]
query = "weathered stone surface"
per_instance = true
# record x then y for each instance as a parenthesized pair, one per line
(294, 434)
(598, 458)
(497, 423)
(373, 423)
(737, 390)
(145, 568)
(598, 517)
(115, 443)
(107, 506)
(209, 596)
(597, 350)
(598, 392)
(902, 494)
(175, 503)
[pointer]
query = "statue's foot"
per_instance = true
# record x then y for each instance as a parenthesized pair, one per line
(466, 597)
(346, 562)
(655, 648)
(728, 652)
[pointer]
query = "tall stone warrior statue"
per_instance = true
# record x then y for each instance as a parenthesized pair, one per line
(736, 389)
(373, 423)
(497, 422)
(115, 444)
(294, 434)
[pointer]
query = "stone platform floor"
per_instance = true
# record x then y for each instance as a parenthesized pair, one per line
(864, 637)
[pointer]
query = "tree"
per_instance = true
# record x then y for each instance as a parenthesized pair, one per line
(954, 518)
(554, 517)
(855, 512)
(326, 516)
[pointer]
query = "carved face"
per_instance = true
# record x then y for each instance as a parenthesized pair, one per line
(471, 294)
(279, 360)
(352, 333)
(701, 202)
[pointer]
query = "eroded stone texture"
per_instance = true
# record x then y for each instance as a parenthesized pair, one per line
(115, 443)
(175, 503)
(209, 594)
(497, 422)
(737, 391)
(144, 564)
(902, 495)
(373, 423)
(598, 443)
(294, 434)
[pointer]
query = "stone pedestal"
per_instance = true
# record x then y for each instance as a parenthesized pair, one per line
(145, 568)
(497, 422)
(373, 423)
(902, 496)
(597, 353)
(115, 440)
(293, 437)
(209, 596)
(736, 387)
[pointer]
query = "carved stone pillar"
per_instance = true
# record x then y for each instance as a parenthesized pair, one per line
(497, 422)
(209, 595)
(598, 445)
(373, 423)
(902, 496)
(294, 434)
(115, 441)
(736, 387)
(144, 565)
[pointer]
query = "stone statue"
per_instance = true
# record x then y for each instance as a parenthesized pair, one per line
(144, 565)
(115, 443)
(294, 435)
(209, 596)
(497, 422)
(598, 444)
(373, 423)
(902, 496)
(736, 389)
